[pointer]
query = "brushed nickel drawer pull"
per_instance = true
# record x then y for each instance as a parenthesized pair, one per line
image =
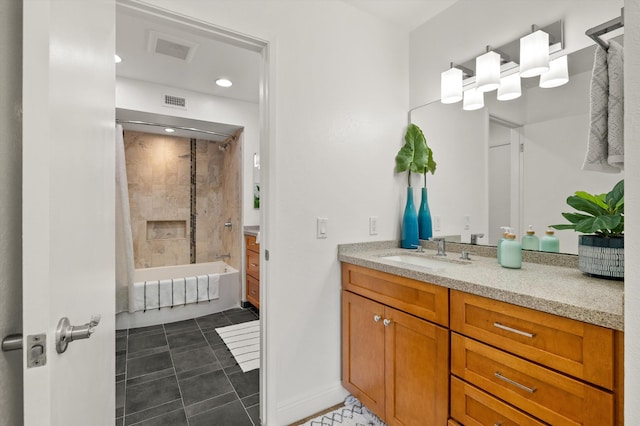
(514, 383)
(497, 424)
(253, 264)
(513, 330)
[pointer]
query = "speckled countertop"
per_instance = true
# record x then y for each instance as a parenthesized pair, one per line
(557, 290)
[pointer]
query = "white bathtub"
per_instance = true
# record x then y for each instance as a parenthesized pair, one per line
(228, 294)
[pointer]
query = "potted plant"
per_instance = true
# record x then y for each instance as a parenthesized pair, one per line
(601, 253)
(415, 156)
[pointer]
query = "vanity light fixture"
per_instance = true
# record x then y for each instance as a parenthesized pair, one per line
(534, 53)
(557, 75)
(451, 85)
(117, 58)
(488, 71)
(510, 87)
(473, 99)
(224, 82)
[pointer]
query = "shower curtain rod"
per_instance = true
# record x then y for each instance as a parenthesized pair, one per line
(608, 26)
(191, 129)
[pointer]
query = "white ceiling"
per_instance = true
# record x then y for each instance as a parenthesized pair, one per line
(213, 59)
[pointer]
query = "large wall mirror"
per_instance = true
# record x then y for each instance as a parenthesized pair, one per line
(512, 163)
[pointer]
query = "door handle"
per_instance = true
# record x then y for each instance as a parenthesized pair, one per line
(67, 333)
(12, 342)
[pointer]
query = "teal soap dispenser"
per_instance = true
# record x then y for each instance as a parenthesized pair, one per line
(511, 253)
(550, 242)
(505, 231)
(530, 241)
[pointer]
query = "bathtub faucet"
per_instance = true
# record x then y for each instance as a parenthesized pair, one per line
(224, 256)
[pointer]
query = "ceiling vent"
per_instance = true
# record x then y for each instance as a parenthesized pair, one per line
(164, 44)
(174, 101)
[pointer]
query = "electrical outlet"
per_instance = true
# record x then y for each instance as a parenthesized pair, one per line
(436, 223)
(467, 222)
(373, 225)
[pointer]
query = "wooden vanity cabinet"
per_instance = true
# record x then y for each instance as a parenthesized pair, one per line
(252, 264)
(507, 359)
(393, 360)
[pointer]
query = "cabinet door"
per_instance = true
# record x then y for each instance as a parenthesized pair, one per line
(363, 350)
(416, 369)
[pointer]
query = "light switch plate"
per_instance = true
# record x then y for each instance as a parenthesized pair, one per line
(322, 227)
(373, 225)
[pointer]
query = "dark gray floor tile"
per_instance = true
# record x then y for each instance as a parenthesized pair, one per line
(153, 412)
(149, 329)
(213, 321)
(211, 403)
(146, 352)
(225, 357)
(120, 393)
(143, 396)
(232, 414)
(213, 338)
(121, 344)
(247, 383)
(254, 414)
(240, 317)
(186, 325)
(251, 400)
(143, 342)
(174, 418)
(120, 333)
(189, 338)
(148, 364)
(200, 357)
(198, 371)
(232, 369)
(120, 378)
(120, 421)
(209, 385)
(121, 363)
(151, 377)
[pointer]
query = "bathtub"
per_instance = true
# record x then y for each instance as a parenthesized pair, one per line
(147, 287)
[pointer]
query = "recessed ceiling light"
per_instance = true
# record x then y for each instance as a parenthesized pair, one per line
(223, 82)
(169, 130)
(118, 59)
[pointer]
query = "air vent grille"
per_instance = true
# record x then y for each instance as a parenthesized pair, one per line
(174, 101)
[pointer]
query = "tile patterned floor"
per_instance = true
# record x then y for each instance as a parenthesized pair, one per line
(181, 373)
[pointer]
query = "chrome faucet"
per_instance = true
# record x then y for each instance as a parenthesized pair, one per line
(441, 247)
(474, 238)
(419, 248)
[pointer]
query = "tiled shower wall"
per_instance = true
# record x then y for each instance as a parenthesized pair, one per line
(159, 176)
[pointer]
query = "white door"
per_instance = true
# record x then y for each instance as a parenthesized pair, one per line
(68, 207)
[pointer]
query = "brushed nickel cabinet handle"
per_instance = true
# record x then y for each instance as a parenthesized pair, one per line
(386, 322)
(377, 318)
(513, 330)
(514, 383)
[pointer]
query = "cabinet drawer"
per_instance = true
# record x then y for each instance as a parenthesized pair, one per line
(581, 350)
(424, 300)
(253, 291)
(253, 264)
(543, 393)
(473, 407)
(250, 243)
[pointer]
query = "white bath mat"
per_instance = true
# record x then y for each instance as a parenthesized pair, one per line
(352, 414)
(243, 340)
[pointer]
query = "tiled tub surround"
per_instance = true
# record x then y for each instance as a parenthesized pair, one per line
(182, 374)
(159, 178)
(563, 291)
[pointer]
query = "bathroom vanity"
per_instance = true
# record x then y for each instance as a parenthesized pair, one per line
(252, 264)
(440, 341)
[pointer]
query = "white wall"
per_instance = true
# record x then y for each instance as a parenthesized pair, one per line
(340, 98)
(10, 207)
(632, 207)
(144, 96)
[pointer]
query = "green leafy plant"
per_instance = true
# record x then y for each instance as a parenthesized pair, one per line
(602, 215)
(415, 155)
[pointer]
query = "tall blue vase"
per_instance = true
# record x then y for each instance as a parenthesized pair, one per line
(425, 228)
(409, 223)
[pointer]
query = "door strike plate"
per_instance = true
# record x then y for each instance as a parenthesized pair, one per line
(36, 350)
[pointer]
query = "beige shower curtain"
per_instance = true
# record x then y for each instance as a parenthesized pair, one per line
(124, 240)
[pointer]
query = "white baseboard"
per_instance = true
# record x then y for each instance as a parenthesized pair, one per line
(311, 402)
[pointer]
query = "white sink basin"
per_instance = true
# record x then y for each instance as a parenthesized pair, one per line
(430, 262)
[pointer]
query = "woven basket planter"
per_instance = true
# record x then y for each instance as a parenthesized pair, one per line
(601, 257)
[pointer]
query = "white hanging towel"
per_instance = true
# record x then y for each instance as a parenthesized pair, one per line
(615, 123)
